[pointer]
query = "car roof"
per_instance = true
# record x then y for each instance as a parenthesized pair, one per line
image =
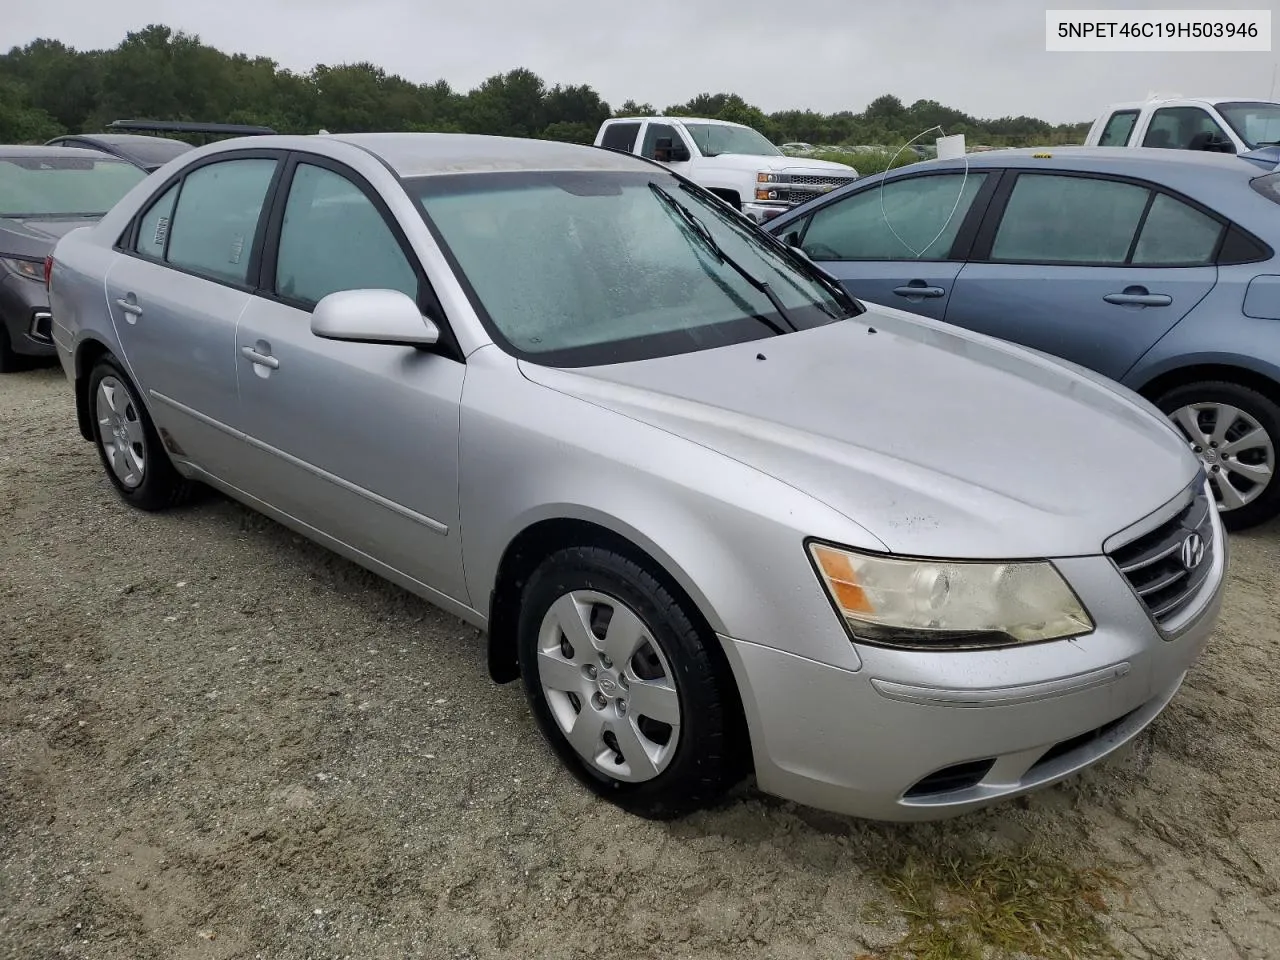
(1160, 101)
(116, 139)
(707, 120)
(18, 151)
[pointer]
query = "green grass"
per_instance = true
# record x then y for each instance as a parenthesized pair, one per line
(997, 905)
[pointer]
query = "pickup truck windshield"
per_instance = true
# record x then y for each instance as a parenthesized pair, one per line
(580, 268)
(1257, 124)
(714, 139)
(45, 186)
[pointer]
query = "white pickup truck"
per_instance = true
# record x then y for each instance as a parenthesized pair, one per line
(1221, 124)
(733, 161)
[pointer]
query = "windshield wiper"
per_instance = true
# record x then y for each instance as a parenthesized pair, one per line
(700, 230)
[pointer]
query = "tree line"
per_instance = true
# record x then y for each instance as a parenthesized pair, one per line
(48, 88)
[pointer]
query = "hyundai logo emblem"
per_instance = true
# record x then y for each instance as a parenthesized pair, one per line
(1192, 551)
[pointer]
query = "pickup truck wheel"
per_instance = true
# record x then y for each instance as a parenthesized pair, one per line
(128, 444)
(623, 686)
(1235, 431)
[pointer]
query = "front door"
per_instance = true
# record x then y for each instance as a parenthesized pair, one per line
(358, 441)
(1090, 269)
(895, 245)
(175, 294)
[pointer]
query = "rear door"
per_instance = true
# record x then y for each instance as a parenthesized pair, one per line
(1090, 268)
(902, 245)
(180, 281)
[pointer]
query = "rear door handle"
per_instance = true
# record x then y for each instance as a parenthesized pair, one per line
(261, 359)
(129, 306)
(928, 293)
(1139, 299)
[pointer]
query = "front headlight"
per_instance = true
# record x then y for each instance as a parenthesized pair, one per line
(935, 604)
(31, 269)
(768, 176)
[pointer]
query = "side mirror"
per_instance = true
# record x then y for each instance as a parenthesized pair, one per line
(373, 316)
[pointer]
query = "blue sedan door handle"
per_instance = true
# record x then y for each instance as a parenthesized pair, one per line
(917, 288)
(1139, 297)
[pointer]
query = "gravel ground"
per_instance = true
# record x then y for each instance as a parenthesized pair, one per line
(219, 741)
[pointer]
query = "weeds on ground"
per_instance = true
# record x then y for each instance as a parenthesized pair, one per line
(992, 905)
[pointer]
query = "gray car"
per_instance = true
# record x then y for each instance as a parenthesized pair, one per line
(718, 516)
(45, 192)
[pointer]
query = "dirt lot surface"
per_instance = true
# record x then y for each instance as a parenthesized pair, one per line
(218, 741)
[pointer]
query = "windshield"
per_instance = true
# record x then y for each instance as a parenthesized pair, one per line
(581, 268)
(154, 150)
(45, 186)
(714, 139)
(1256, 124)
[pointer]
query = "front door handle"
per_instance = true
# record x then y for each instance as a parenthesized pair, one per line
(1139, 297)
(261, 359)
(927, 293)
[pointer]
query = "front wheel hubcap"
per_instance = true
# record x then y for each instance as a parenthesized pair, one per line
(609, 686)
(1238, 454)
(120, 432)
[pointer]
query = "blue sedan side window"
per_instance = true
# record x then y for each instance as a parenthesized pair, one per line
(1175, 233)
(1060, 219)
(912, 218)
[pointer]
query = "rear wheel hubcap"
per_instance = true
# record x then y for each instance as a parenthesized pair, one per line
(1238, 454)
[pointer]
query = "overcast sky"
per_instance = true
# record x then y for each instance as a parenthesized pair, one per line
(985, 57)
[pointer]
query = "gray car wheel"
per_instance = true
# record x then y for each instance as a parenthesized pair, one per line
(1235, 431)
(633, 697)
(128, 444)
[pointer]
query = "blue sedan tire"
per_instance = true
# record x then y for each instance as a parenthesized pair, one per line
(632, 696)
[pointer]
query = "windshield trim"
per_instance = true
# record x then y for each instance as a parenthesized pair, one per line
(1223, 107)
(650, 346)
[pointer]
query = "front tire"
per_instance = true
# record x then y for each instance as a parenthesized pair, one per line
(128, 444)
(625, 687)
(1235, 431)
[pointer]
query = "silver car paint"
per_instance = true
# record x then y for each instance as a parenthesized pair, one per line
(915, 438)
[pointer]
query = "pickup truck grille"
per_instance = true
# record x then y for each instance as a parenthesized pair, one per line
(1167, 566)
(805, 180)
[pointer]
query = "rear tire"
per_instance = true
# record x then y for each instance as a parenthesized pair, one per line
(10, 362)
(128, 444)
(1235, 431)
(654, 733)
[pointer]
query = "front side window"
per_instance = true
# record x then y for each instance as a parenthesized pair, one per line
(1183, 128)
(1116, 132)
(576, 268)
(1061, 219)
(1257, 124)
(42, 185)
(714, 139)
(909, 218)
(333, 238)
(655, 132)
(219, 206)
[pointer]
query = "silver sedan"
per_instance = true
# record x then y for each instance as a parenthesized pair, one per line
(718, 516)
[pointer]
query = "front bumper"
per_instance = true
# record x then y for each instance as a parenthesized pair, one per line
(24, 310)
(924, 736)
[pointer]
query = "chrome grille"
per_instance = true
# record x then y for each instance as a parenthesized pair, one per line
(802, 180)
(1165, 567)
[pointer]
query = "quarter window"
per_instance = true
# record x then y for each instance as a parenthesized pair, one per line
(334, 238)
(217, 217)
(908, 219)
(1057, 219)
(154, 226)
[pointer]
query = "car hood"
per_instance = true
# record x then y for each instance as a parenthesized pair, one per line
(937, 441)
(36, 236)
(793, 165)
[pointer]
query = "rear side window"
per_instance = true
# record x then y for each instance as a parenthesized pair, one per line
(1175, 233)
(1059, 219)
(911, 218)
(333, 238)
(153, 229)
(217, 217)
(1116, 132)
(620, 136)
